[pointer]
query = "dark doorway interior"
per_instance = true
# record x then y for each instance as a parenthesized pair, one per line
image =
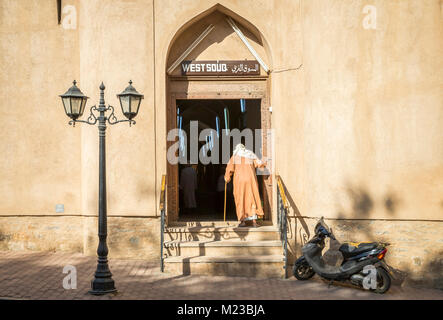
(218, 115)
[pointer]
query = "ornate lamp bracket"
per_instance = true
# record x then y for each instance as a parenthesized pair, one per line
(112, 119)
(92, 119)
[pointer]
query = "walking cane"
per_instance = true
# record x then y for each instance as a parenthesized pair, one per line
(225, 204)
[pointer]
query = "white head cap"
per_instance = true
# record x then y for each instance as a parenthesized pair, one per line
(241, 151)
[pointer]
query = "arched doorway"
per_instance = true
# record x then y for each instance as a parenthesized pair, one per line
(216, 75)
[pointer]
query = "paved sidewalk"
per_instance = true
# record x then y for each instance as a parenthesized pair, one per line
(40, 276)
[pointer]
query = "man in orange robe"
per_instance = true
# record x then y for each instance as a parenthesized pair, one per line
(247, 198)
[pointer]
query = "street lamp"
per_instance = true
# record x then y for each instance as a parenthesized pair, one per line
(74, 102)
(130, 101)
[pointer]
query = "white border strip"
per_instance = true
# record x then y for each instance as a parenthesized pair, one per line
(246, 42)
(190, 48)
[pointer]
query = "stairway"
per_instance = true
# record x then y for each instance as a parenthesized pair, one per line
(222, 248)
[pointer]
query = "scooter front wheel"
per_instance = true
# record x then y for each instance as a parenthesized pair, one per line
(302, 270)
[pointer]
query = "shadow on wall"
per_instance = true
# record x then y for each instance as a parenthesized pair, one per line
(355, 225)
(304, 234)
(363, 203)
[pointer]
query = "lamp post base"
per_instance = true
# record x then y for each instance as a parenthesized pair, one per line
(101, 293)
(102, 286)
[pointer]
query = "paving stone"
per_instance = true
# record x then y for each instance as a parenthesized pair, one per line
(39, 276)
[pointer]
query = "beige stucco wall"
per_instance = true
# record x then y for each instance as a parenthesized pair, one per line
(116, 48)
(357, 113)
(40, 162)
(372, 111)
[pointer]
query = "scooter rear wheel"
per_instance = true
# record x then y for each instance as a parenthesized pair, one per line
(383, 281)
(303, 271)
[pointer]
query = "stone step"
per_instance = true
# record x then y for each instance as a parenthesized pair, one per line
(263, 266)
(223, 248)
(213, 223)
(201, 233)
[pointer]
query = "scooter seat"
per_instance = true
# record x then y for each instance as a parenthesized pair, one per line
(350, 249)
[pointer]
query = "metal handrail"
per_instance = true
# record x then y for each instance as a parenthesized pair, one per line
(282, 215)
(162, 222)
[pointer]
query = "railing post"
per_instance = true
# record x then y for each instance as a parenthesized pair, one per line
(285, 239)
(162, 222)
(279, 210)
(282, 223)
(162, 226)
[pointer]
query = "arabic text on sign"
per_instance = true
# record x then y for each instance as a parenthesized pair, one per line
(229, 67)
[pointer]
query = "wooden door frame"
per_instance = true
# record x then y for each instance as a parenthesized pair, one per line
(241, 88)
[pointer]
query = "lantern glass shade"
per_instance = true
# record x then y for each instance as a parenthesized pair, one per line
(124, 103)
(82, 108)
(135, 103)
(67, 105)
(75, 105)
(130, 101)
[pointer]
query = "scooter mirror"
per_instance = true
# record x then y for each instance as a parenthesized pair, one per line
(324, 225)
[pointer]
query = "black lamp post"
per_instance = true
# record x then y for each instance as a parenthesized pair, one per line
(74, 103)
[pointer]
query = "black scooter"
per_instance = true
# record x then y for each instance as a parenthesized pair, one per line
(356, 256)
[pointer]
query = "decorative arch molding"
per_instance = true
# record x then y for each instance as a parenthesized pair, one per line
(222, 9)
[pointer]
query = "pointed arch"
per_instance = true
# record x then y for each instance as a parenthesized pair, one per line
(246, 24)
